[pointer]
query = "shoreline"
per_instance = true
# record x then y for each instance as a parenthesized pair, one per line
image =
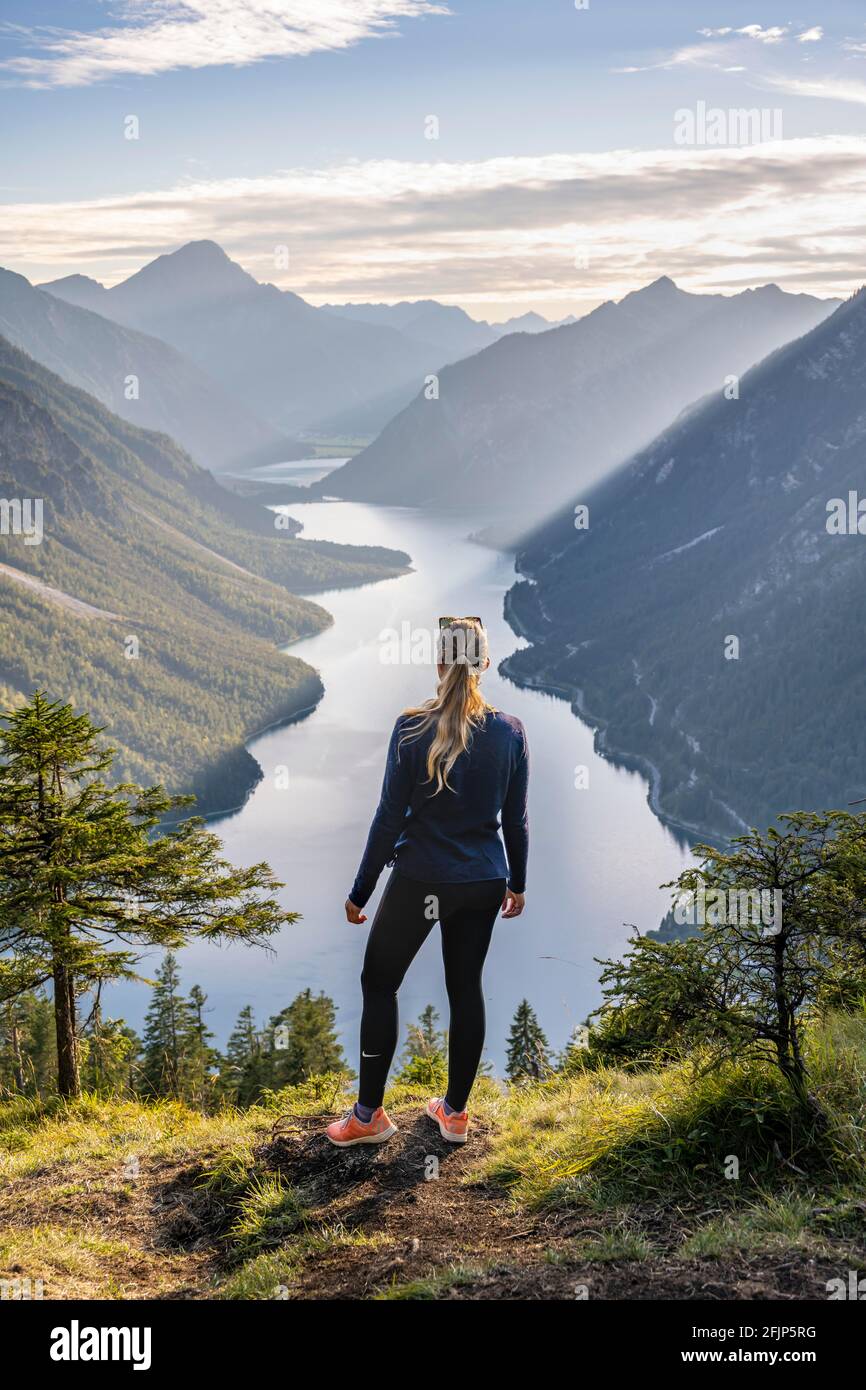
(243, 771)
(632, 762)
(244, 761)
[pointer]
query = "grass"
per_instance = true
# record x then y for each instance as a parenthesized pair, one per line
(431, 1288)
(778, 1221)
(669, 1166)
(37, 1135)
(55, 1249)
(607, 1137)
(621, 1243)
(268, 1213)
(271, 1275)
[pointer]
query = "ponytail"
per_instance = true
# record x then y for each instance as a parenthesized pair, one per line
(458, 706)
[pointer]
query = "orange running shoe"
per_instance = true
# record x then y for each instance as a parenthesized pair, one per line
(350, 1130)
(452, 1127)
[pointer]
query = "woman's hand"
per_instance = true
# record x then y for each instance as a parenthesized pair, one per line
(354, 914)
(513, 904)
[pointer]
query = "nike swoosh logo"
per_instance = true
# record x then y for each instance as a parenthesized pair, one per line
(371, 1054)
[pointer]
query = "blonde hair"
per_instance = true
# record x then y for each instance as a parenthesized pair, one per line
(458, 706)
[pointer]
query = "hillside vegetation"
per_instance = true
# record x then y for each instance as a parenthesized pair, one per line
(703, 1134)
(603, 1184)
(196, 587)
(708, 617)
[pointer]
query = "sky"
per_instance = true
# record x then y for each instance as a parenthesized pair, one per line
(503, 156)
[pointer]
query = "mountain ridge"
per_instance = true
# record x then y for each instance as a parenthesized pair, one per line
(576, 400)
(135, 375)
(718, 530)
(291, 363)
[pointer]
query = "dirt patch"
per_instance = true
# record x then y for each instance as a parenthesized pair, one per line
(100, 1235)
(164, 1236)
(414, 1192)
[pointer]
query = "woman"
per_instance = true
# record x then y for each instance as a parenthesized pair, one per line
(455, 764)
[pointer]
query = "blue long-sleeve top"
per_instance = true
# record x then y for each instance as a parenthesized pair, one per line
(452, 836)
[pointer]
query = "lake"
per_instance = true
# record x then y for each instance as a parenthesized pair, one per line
(597, 853)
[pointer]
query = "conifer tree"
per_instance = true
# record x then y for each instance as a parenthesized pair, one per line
(110, 1048)
(528, 1050)
(28, 1055)
(13, 1021)
(424, 1060)
(303, 1040)
(200, 1059)
(83, 871)
(166, 1026)
(244, 1074)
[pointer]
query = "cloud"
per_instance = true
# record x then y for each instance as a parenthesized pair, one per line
(755, 31)
(722, 45)
(828, 88)
(153, 36)
(730, 50)
(556, 229)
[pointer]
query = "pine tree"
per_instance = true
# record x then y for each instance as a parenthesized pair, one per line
(303, 1041)
(42, 1045)
(167, 1024)
(200, 1060)
(81, 869)
(243, 1073)
(424, 1060)
(109, 1051)
(424, 1038)
(28, 1054)
(528, 1050)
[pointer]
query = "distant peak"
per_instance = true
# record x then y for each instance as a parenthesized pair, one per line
(205, 252)
(196, 270)
(663, 285)
(73, 281)
(659, 292)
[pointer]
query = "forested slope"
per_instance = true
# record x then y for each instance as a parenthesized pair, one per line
(200, 579)
(709, 615)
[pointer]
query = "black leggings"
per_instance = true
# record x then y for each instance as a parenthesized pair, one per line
(406, 915)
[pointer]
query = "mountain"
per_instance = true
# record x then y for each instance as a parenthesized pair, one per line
(445, 327)
(527, 423)
(294, 365)
(530, 323)
(154, 599)
(81, 290)
(97, 355)
(719, 531)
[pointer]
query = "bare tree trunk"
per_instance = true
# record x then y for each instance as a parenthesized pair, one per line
(19, 1060)
(68, 1082)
